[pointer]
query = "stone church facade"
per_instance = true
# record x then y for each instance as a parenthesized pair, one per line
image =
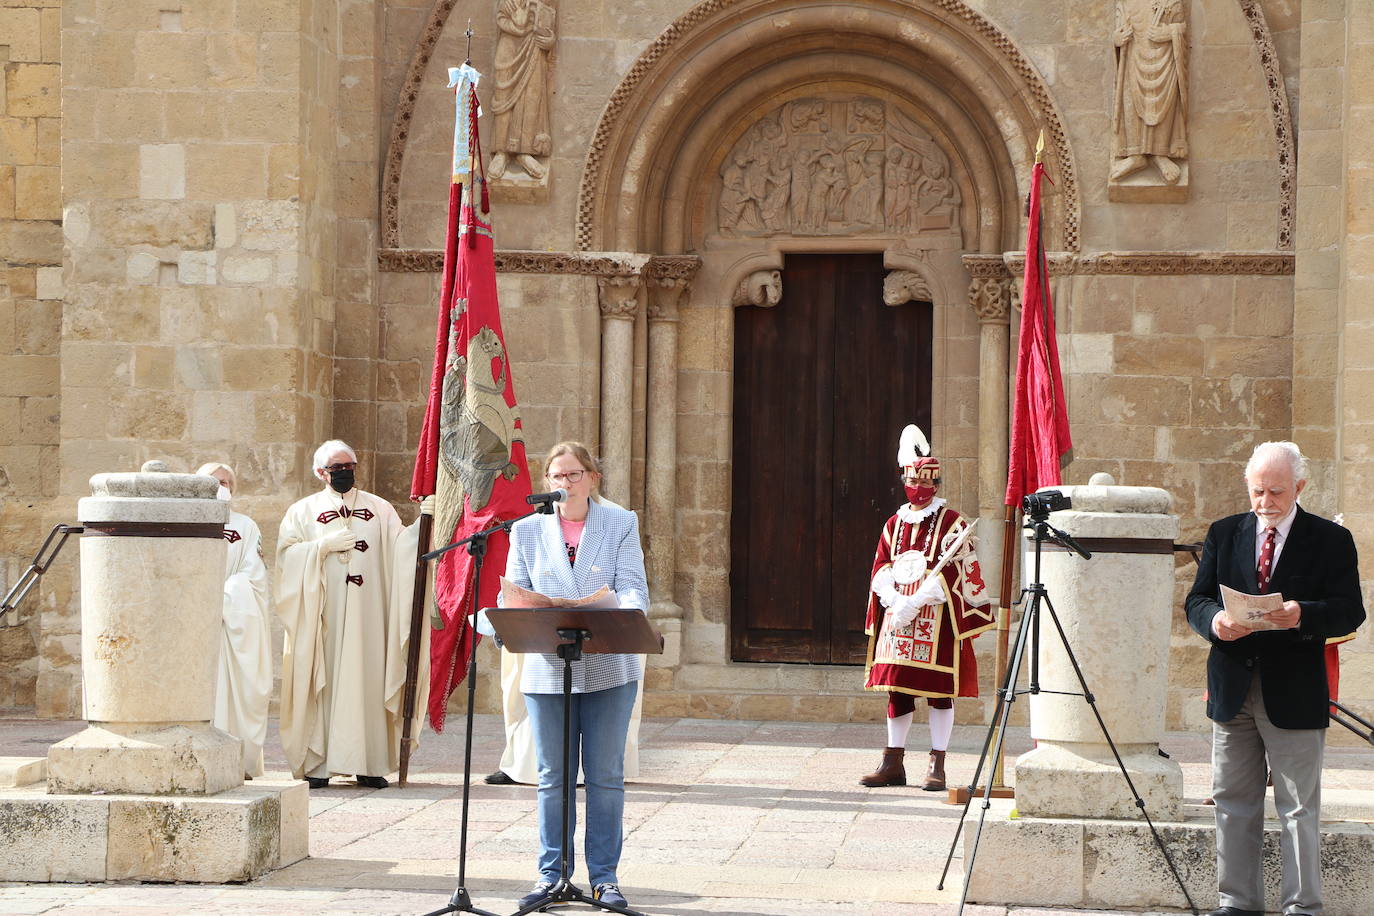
(730, 235)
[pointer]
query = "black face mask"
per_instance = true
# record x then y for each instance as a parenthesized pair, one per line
(341, 481)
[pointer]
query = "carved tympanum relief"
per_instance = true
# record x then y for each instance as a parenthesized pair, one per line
(520, 103)
(838, 166)
(1150, 115)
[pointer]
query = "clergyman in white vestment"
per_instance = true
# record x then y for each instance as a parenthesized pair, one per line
(345, 571)
(243, 687)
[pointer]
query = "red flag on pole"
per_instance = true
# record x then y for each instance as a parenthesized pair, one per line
(472, 451)
(1040, 420)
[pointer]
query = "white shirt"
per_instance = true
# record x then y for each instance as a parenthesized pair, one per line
(1281, 536)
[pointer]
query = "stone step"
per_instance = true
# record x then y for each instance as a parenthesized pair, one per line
(1111, 864)
(22, 771)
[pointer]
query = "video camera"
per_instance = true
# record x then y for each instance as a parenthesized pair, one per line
(1040, 505)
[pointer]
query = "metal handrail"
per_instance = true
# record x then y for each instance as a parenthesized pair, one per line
(41, 561)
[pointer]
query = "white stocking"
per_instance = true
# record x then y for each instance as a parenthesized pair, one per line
(941, 726)
(897, 729)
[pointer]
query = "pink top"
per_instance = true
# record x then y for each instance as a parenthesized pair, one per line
(572, 535)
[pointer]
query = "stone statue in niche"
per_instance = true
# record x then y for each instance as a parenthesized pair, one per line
(520, 102)
(1151, 107)
(836, 167)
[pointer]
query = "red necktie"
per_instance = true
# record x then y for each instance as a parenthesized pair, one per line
(1264, 570)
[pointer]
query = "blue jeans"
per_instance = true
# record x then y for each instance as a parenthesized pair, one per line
(600, 721)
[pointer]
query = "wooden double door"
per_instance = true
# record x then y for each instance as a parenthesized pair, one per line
(824, 383)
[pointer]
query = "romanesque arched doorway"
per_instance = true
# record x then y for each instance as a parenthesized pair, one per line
(753, 133)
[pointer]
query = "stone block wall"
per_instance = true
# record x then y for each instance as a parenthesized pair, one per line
(199, 186)
(30, 318)
(1172, 381)
(1333, 385)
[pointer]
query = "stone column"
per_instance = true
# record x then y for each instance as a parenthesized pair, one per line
(1115, 609)
(666, 293)
(152, 589)
(619, 298)
(990, 298)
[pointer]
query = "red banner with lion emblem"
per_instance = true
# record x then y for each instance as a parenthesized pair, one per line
(472, 450)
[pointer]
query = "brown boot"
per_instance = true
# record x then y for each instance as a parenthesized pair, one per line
(935, 775)
(890, 772)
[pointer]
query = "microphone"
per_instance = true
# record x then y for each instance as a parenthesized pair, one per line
(547, 499)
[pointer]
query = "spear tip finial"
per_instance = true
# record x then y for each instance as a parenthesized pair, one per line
(1040, 146)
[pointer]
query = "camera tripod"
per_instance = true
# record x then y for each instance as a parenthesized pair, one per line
(1028, 633)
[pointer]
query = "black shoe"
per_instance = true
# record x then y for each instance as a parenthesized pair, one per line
(609, 893)
(373, 782)
(1235, 911)
(317, 782)
(499, 778)
(538, 892)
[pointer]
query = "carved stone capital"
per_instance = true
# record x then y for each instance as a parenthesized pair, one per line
(901, 286)
(619, 296)
(762, 287)
(991, 299)
(666, 295)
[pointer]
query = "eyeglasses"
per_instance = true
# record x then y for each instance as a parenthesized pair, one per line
(342, 466)
(570, 477)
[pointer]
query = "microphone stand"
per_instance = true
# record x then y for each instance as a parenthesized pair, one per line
(461, 900)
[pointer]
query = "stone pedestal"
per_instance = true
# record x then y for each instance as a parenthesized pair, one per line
(152, 587)
(1115, 610)
(150, 790)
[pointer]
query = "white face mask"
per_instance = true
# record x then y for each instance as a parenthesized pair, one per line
(222, 493)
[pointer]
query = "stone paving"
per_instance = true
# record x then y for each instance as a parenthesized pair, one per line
(740, 817)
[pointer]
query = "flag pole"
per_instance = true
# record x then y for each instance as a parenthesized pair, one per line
(417, 620)
(1011, 522)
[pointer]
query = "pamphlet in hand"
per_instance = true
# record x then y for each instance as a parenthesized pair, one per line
(513, 595)
(1252, 610)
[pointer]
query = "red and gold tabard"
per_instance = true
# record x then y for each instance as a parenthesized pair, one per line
(933, 657)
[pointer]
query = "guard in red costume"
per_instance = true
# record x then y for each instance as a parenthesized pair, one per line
(927, 602)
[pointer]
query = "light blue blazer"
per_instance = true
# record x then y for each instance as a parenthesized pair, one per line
(609, 554)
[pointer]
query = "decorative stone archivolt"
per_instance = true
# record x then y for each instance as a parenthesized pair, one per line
(836, 166)
(1281, 116)
(762, 287)
(901, 286)
(1151, 113)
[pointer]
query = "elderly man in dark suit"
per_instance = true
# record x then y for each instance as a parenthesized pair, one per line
(1266, 688)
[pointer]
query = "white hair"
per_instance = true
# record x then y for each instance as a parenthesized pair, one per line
(209, 469)
(327, 451)
(1266, 452)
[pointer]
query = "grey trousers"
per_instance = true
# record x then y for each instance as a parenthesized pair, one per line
(1239, 749)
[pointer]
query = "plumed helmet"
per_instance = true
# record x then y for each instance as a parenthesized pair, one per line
(913, 453)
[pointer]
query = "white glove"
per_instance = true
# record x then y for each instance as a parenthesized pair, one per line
(885, 586)
(340, 540)
(904, 610)
(932, 591)
(427, 506)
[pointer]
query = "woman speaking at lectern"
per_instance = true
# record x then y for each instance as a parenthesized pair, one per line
(587, 544)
